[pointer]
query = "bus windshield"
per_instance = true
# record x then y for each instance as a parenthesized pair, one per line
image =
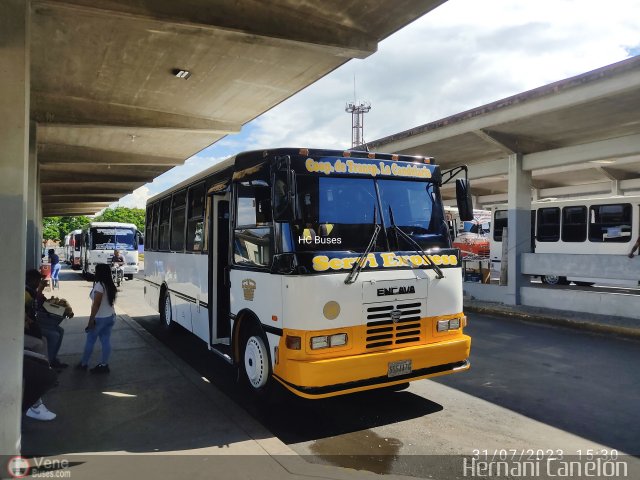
(110, 238)
(340, 214)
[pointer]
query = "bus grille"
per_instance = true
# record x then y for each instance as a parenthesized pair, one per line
(382, 331)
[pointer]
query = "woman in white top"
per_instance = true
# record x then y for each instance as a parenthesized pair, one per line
(102, 319)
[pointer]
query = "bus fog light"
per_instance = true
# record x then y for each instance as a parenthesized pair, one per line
(338, 340)
(443, 325)
(454, 324)
(293, 342)
(319, 342)
(331, 310)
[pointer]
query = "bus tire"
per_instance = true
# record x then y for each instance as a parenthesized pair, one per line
(255, 362)
(554, 280)
(166, 317)
(129, 276)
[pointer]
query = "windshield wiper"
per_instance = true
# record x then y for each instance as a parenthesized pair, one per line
(417, 248)
(359, 265)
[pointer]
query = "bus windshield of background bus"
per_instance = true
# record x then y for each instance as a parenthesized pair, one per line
(113, 238)
(338, 214)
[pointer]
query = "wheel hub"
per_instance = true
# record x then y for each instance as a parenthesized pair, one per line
(255, 362)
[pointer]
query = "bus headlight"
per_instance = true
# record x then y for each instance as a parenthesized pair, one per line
(331, 310)
(327, 341)
(445, 325)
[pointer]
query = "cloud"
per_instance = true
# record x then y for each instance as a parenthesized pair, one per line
(137, 199)
(464, 54)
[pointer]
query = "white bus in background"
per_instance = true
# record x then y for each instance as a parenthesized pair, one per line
(594, 226)
(68, 249)
(72, 248)
(100, 239)
(327, 271)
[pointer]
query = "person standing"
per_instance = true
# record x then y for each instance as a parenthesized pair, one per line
(101, 320)
(54, 261)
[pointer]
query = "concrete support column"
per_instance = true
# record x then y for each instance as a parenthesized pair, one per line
(14, 154)
(33, 187)
(519, 238)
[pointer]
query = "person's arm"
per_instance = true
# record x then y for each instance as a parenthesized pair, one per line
(95, 306)
(635, 247)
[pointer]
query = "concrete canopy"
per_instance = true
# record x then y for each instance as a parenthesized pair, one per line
(111, 114)
(578, 137)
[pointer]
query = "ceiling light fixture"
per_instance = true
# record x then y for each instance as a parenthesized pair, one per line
(179, 73)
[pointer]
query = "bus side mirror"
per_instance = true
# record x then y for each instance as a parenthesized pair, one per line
(283, 191)
(464, 200)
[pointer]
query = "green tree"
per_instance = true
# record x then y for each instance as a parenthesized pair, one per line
(56, 228)
(69, 224)
(51, 228)
(123, 215)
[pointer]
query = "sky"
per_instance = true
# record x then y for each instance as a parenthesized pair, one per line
(464, 54)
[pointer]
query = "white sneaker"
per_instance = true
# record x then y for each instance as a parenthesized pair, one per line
(40, 413)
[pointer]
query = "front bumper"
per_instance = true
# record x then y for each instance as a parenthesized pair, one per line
(337, 376)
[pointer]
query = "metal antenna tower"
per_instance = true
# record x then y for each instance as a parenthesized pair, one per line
(357, 111)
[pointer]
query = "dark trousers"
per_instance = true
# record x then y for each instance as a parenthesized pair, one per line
(38, 377)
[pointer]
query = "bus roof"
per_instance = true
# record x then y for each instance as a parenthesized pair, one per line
(112, 224)
(252, 158)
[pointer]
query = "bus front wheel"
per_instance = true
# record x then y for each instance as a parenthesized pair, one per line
(255, 362)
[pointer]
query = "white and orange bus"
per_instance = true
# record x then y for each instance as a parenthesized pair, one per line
(327, 271)
(72, 247)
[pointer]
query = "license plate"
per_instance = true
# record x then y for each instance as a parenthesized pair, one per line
(401, 367)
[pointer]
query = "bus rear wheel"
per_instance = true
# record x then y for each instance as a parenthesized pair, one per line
(255, 362)
(554, 280)
(165, 310)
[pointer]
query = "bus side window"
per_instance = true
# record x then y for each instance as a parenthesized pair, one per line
(253, 231)
(153, 243)
(499, 222)
(195, 222)
(149, 225)
(574, 224)
(163, 230)
(610, 223)
(548, 224)
(178, 208)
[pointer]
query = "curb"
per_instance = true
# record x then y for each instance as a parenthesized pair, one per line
(557, 321)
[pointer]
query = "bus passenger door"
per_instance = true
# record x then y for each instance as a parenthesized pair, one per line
(218, 271)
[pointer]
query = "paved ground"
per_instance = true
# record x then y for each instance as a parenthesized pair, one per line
(153, 416)
(530, 387)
